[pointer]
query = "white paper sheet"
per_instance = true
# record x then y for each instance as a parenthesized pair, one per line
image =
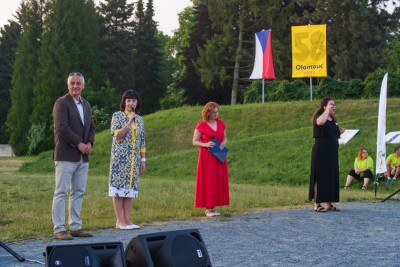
(392, 138)
(347, 135)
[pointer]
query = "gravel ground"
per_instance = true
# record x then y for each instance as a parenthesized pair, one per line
(361, 234)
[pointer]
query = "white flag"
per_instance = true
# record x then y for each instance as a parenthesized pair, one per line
(380, 142)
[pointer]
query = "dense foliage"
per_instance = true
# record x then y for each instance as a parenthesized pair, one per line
(30, 17)
(209, 58)
(357, 32)
(116, 43)
(59, 37)
(8, 42)
(300, 90)
(148, 60)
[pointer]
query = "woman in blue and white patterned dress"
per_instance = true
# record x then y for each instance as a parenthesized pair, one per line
(128, 157)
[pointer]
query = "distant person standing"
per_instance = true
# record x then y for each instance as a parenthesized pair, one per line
(128, 157)
(212, 181)
(324, 175)
(73, 139)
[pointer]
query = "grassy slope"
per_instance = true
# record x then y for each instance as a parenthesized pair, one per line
(269, 144)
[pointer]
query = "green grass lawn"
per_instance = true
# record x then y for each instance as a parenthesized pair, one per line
(269, 158)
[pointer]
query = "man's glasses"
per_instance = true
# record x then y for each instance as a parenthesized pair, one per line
(75, 74)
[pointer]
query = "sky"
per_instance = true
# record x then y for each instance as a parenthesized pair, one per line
(166, 12)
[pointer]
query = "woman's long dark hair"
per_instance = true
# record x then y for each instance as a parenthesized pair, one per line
(131, 94)
(324, 103)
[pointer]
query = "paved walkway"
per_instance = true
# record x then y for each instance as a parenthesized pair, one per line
(361, 234)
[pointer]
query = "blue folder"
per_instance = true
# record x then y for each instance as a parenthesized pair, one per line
(220, 154)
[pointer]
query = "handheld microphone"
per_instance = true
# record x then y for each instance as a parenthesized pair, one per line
(134, 119)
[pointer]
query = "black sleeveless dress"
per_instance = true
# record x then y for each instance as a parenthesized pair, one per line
(325, 162)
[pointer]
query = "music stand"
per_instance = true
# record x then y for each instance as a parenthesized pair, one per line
(12, 252)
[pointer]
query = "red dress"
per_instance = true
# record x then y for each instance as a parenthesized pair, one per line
(212, 179)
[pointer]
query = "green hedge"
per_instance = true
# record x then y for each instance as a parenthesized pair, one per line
(299, 90)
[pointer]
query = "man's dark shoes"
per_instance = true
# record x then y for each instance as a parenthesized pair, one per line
(63, 235)
(80, 233)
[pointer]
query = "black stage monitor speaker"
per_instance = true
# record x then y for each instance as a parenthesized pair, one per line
(182, 248)
(86, 255)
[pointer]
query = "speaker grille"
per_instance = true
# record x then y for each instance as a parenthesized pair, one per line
(181, 248)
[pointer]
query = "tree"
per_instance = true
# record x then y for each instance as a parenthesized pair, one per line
(148, 55)
(8, 42)
(357, 33)
(104, 102)
(69, 44)
(116, 43)
(392, 60)
(168, 62)
(30, 16)
(216, 60)
(227, 57)
(193, 33)
(392, 53)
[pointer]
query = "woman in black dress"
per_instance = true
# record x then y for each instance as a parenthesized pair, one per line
(324, 176)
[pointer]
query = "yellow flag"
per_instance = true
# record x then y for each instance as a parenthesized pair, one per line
(309, 51)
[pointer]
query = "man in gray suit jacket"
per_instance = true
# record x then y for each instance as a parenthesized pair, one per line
(73, 139)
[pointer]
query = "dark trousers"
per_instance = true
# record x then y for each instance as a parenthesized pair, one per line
(367, 174)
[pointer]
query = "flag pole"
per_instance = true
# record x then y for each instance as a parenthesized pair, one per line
(311, 89)
(263, 61)
(263, 91)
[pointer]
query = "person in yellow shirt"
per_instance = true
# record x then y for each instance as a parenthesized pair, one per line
(363, 169)
(392, 166)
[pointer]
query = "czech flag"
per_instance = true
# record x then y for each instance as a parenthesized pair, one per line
(263, 62)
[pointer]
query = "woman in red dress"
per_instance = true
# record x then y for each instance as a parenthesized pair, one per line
(212, 179)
